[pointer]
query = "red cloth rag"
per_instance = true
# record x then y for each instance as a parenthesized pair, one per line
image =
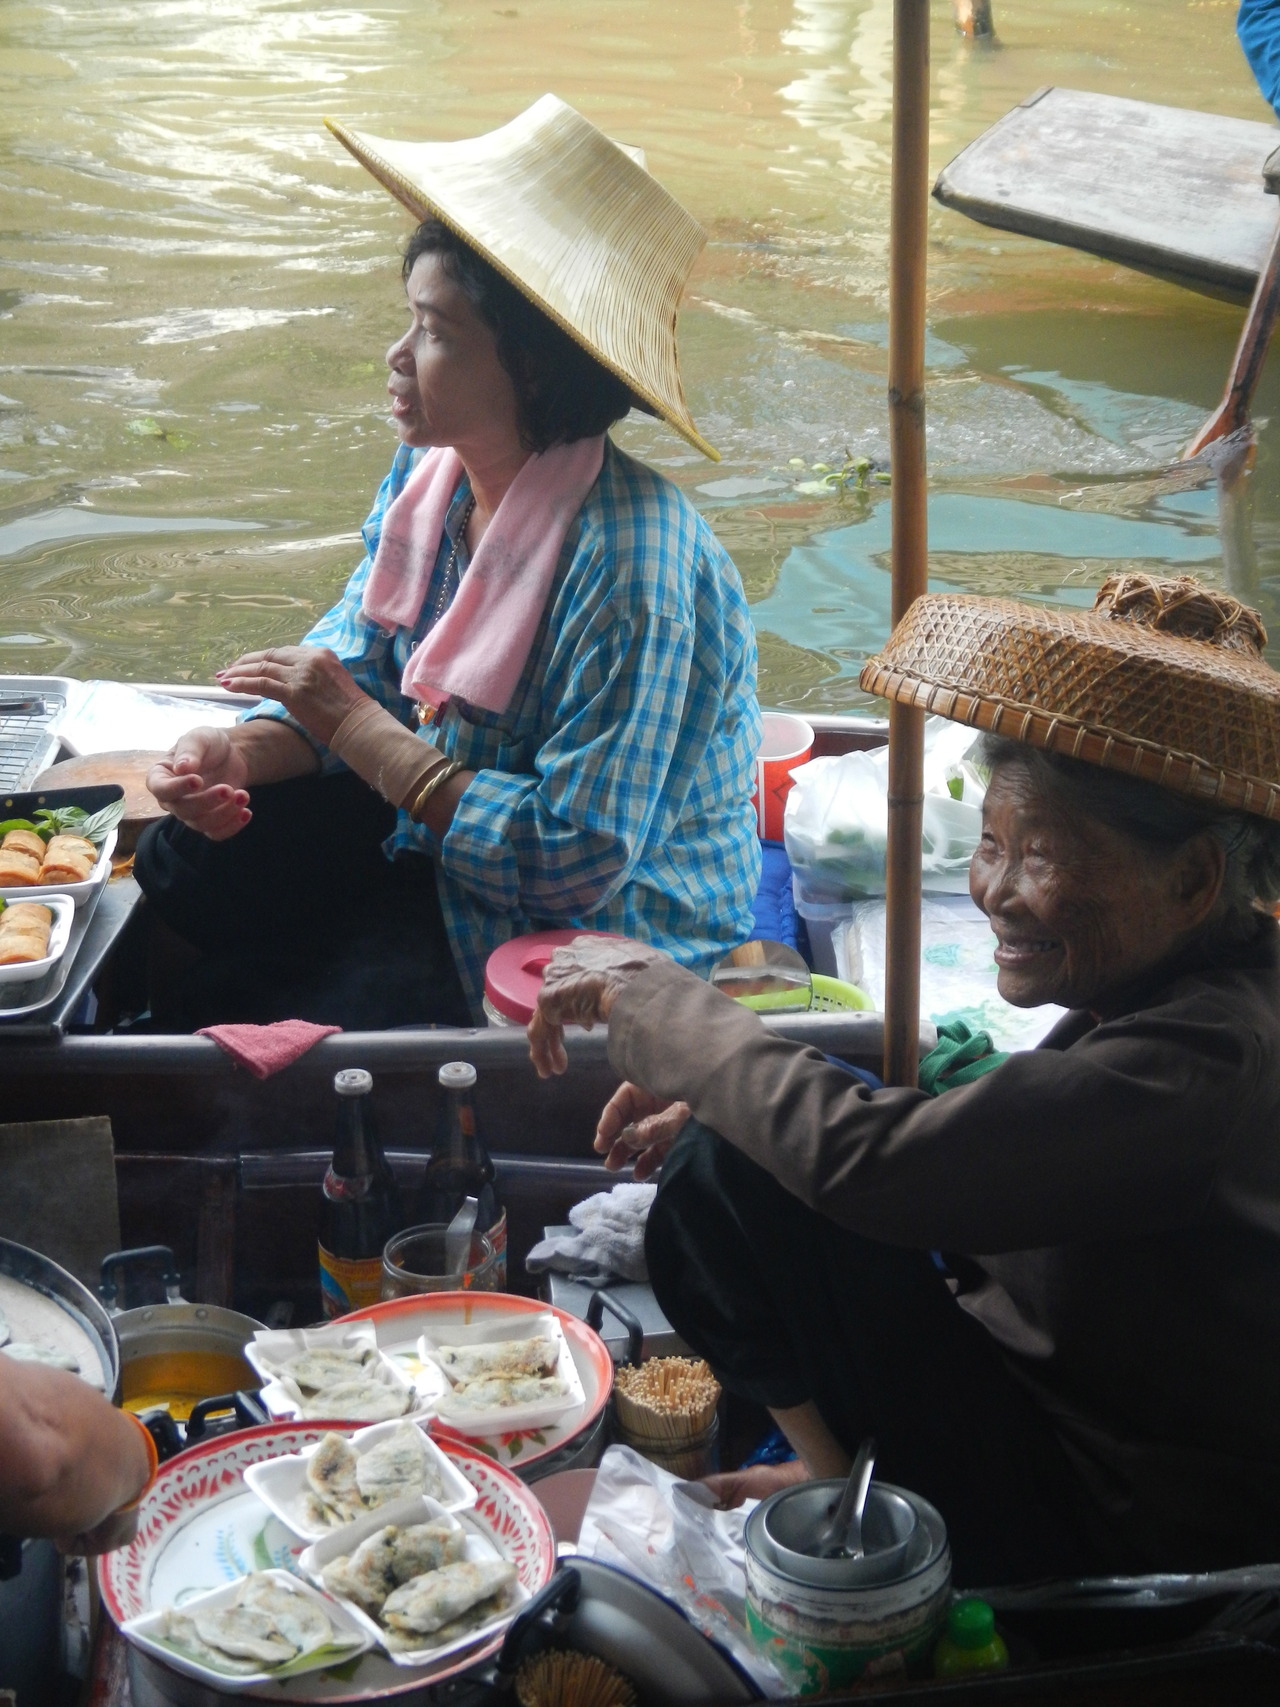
(265, 1049)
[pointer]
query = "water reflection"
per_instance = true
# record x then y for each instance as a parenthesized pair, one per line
(197, 287)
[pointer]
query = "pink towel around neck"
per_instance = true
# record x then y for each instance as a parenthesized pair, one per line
(480, 645)
(265, 1049)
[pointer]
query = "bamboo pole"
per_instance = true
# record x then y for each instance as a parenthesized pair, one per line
(909, 550)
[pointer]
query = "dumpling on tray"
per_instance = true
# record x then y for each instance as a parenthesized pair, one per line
(390, 1557)
(395, 1467)
(464, 1363)
(369, 1400)
(501, 1392)
(425, 1604)
(331, 1476)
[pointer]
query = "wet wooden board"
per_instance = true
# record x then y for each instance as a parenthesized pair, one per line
(1162, 189)
(129, 769)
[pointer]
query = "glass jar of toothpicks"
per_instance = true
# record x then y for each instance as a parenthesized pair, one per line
(666, 1409)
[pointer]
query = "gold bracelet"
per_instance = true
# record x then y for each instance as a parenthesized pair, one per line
(441, 773)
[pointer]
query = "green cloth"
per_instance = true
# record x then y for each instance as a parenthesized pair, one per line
(960, 1056)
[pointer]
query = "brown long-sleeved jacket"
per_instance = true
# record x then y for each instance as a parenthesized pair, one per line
(1118, 1190)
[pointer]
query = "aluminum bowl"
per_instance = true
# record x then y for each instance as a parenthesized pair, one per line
(792, 1517)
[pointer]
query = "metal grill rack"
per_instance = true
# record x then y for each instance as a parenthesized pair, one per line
(30, 709)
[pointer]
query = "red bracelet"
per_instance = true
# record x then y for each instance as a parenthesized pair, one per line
(153, 1463)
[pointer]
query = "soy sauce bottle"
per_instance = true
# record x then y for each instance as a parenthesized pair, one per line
(361, 1208)
(459, 1166)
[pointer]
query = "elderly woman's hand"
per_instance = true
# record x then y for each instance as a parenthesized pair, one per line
(636, 1126)
(310, 682)
(579, 987)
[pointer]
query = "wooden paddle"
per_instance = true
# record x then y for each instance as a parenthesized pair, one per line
(1233, 412)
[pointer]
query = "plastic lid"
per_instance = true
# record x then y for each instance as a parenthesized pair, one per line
(513, 973)
(353, 1082)
(971, 1623)
(457, 1075)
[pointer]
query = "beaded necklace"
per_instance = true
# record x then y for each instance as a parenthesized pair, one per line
(452, 579)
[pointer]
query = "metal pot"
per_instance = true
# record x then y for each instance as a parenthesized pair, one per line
(31, 1571)
(175, 1354)
(31, 1269)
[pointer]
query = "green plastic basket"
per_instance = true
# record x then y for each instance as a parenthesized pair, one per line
(829, 995)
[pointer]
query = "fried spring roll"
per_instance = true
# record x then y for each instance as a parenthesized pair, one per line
(24, 933)
(69, 859)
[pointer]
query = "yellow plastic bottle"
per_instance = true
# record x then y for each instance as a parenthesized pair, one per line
(970, 1641)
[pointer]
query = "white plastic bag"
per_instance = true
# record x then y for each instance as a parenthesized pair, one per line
(645, 1521)
(837, 817)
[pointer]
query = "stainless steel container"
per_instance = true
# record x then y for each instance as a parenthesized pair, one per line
(823, 1638)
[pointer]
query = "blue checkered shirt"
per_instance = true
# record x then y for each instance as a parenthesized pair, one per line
(613, 793)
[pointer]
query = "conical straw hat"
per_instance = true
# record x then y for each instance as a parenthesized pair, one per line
(575, 222)
(1163, 679)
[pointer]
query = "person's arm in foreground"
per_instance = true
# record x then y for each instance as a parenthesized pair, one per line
(70, 1463)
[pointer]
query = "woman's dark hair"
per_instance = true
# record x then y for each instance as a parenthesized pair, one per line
(562, 393)
(1156, 819)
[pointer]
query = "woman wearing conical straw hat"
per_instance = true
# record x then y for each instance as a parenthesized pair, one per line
(1094, 1384)
(544, 669)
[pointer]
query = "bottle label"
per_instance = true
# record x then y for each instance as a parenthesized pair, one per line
(498, 1239)
(348, 1283)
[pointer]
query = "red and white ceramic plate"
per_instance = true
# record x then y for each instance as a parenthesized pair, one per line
(200, 1527)
(401, 1322)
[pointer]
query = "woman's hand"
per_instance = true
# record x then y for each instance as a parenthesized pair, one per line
(118, 1530)
(203, 781)
(732, 1487)
(309, 681)
(638, 1127)
(579, 987)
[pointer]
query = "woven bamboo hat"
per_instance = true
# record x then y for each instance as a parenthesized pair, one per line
(575, 222)
(1163, 679)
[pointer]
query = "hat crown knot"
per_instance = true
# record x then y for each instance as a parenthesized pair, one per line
(1181, 606)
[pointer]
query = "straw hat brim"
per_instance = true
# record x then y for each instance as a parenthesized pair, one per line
(575, 223)
(1182, 713)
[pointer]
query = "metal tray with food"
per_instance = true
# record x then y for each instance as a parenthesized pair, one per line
(401, 1323)
(344, 1476)
(26, 1000)
(62, 910)
(58, 839)
(200, 1528)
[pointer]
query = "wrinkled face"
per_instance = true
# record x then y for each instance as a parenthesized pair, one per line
(447, 386)
(1078, 909)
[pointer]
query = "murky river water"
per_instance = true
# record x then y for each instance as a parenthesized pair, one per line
(197, 287)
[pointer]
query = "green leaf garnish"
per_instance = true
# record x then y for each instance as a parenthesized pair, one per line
(99, 827)
(17, 824)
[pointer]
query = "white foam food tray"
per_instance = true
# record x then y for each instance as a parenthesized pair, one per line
(479, 1544)
(64, 912)
(147, 1632)
(284, 1399)
(281, 1483)
(453, 1409)
(79, 893)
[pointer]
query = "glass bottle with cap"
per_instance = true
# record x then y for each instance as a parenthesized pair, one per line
(361, 1207)
(970, 1641)
(460, 1166)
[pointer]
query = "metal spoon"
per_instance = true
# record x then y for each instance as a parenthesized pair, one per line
(840, 1537)
(457, 1237)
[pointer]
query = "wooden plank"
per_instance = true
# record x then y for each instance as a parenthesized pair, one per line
(1163, 189)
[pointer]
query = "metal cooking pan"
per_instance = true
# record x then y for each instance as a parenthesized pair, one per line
(173, 1355)
(31, 1269)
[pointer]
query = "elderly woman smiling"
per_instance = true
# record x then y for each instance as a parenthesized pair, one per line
(1053, 1293)
(536, 696)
